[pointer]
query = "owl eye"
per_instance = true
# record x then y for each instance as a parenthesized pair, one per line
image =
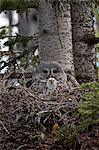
(55, 71)
(45, 71)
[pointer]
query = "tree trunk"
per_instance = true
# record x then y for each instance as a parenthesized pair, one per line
(84, 53)
(27, 22)
(27, 27)
(96, 15)
(55, 37)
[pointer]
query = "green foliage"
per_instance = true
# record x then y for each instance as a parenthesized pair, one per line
(68, 135)
(91, 85)
(55, 3)
(87, 111)
(3, 32)
(25, 61)
(19, 5)
(25, 55)
(85, 117)
(11, 5)
(12, 40)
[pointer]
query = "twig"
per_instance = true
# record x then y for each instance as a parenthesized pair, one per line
(22, 146)
(4, 127)
(37, 99)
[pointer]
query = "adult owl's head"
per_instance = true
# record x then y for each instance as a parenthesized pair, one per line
(49, 77)
(50, 70)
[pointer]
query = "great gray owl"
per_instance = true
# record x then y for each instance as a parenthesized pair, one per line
(49, 78)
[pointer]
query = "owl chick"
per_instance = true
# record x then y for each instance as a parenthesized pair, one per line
(51, 85)
(48, 78)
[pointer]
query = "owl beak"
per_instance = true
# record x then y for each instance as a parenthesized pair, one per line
(51, 80)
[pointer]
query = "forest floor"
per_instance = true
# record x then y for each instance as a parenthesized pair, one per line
(31, 123)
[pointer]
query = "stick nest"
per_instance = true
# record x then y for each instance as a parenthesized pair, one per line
(28, 122)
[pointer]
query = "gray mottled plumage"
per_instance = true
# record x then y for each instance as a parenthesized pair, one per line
(49, 78)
